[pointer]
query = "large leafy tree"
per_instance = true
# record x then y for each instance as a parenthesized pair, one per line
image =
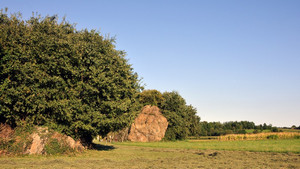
(182, 118)
(73, 81)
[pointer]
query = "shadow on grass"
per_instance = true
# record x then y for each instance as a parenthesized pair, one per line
(101, 147)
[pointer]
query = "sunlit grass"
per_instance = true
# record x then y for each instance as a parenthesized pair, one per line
(288, 145)
(180, 154)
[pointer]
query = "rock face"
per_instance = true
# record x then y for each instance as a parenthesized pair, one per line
(37, 146)
(5, 132)
(39, 140)
(42, 137)
(150, 125)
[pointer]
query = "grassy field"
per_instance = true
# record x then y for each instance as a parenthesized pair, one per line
(248, 131)
(280, 146)
(181, 154)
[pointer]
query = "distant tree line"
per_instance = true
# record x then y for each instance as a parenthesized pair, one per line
(295, 127)
(233, 127)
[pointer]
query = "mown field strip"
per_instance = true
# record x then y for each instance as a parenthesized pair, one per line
(281, 146)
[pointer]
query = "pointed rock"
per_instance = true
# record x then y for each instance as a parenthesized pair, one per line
(150, 125)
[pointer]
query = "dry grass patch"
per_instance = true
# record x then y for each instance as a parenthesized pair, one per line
(260, 136)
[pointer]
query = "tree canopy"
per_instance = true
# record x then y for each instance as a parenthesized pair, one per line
(151, 97)
(73, 81)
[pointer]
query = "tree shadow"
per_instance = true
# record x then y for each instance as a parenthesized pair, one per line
(101, 147)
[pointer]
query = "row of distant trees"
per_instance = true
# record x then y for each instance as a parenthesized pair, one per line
(295, 127)
(233, 127)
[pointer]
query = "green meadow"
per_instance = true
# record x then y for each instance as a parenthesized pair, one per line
(179, 154)
(280, 146)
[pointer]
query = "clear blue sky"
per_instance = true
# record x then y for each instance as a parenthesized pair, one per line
(232, 60)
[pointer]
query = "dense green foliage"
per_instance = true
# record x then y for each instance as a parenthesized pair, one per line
(151, 97)
(182, 118)
(73, 81)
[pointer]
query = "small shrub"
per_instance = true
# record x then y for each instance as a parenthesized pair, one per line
(297, 137)
(16, 148)
(55, 146)
(19, 141)
(4, 145)
(274, 129)
(273, 137)
(255, 131)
